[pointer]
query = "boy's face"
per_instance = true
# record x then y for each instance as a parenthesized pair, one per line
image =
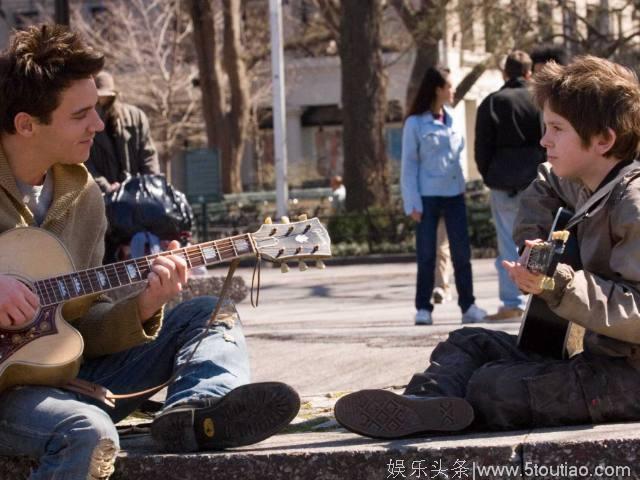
(67, 139)
(568, 157)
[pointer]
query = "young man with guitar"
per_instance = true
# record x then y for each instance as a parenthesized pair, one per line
(483, 378)
(47, 125)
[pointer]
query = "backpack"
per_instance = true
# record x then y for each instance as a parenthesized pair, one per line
(147, 203)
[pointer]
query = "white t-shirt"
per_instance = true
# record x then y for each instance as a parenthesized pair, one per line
(37, 197)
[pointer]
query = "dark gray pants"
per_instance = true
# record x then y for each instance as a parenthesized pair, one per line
(511, 389)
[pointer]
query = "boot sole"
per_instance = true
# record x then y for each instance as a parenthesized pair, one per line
(383, 414)
(246, 415)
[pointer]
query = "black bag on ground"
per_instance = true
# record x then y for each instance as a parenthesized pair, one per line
(147, 203)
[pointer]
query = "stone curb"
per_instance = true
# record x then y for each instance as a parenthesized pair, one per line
(567, 453)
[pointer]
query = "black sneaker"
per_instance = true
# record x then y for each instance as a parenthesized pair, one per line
(383, 414)
(246, 415)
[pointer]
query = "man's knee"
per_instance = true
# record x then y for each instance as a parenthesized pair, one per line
(197, 312)
(90, 435)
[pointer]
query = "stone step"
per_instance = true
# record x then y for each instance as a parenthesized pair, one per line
(603, 451)
(315, 447)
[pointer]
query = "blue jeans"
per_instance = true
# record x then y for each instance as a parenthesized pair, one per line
(69, 432)
(454, 211)
(504, 209)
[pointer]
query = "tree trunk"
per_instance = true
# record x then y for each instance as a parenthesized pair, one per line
(427, 55)
(226, 126)
(238, 115)
(366, 171)
(204, 40)
(469, 80)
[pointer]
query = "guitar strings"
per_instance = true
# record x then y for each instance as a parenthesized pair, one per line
(190, 253)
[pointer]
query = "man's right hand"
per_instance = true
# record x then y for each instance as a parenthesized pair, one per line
(416, 215)
(18, 304)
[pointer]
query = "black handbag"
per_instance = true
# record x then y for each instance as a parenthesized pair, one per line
(147, 203)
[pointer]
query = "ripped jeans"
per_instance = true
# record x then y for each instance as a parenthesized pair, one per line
(75, 437)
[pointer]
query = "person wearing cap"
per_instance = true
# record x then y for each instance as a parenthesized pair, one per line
(125, 146)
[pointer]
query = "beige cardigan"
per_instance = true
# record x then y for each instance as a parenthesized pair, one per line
(76, 216)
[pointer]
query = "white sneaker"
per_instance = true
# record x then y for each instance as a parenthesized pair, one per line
(474, 314)
(423, 317)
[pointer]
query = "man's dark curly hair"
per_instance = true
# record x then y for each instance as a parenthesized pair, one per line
(39, 64)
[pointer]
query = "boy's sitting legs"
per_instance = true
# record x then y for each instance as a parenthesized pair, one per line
(479, 378)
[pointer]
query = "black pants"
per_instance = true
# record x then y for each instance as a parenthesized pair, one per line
(511, 389)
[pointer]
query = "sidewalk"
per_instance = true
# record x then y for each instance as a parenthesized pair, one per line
(349, 327)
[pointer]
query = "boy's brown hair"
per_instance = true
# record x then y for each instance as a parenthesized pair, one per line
(594, 95)
(39, 64)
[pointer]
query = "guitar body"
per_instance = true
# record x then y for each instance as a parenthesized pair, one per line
(542, 331)
(46, 351)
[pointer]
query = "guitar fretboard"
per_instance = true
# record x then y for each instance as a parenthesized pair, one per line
(59, 289)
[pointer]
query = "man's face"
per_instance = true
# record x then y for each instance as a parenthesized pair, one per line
(68, 137)
(568, 157)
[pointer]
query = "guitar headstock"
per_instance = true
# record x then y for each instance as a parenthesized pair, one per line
(298, 241)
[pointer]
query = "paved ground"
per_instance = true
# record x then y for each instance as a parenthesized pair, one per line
(349, 327)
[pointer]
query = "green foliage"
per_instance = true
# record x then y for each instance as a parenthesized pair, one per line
(389, 230)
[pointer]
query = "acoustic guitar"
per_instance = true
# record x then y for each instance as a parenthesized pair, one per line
(47, 350)
(543, 331)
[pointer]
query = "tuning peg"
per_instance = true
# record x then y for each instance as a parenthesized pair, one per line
(268, 221)
(302, 217)
(284, 219)
(303, 266)
(284, 268)
(320, 264)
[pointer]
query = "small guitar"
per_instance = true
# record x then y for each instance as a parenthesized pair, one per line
(542, 331)
(47, 350)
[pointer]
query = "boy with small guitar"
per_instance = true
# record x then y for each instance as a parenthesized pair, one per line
(483, 378)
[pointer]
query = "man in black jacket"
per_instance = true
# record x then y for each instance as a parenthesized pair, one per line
(507, 151)
(124, 148)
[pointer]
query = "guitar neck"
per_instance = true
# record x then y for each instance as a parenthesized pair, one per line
(102, 279)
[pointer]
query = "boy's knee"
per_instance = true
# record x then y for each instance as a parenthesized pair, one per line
(499, 399)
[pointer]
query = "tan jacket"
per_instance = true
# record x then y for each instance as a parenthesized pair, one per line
(76, 216)
(604, 297)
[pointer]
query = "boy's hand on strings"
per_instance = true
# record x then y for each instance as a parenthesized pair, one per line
(526, 280)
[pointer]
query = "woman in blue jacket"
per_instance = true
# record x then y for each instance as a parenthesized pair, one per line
(433, 186)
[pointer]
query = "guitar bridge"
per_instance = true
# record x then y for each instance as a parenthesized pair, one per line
(543, 257)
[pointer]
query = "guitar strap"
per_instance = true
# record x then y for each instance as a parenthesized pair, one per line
(104, 395)
(600, 197)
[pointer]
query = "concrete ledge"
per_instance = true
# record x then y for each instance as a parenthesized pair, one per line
(338, 454)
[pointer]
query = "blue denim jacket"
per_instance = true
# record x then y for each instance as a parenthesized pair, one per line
(431, 164)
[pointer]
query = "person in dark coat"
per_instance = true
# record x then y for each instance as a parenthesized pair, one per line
(125, 146)
(508, 152)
